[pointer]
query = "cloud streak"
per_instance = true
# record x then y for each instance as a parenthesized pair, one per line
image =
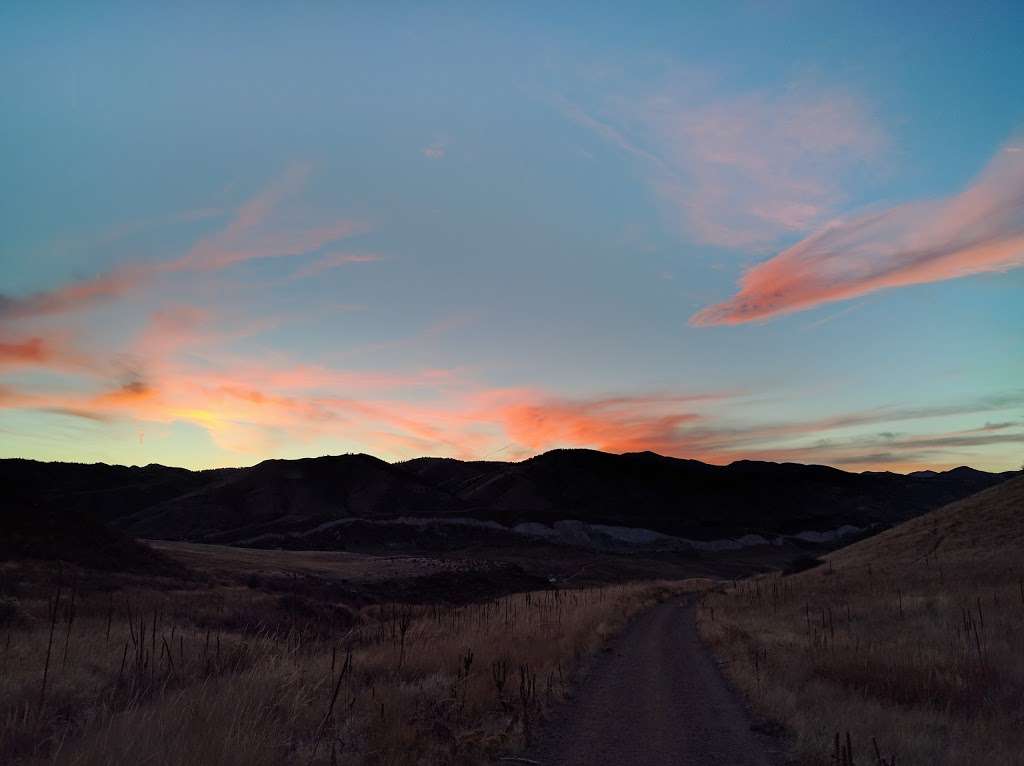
(77, 295)
(334, 261)
(44, 351)
(980, 230)
(255, 406)
(27, 352)
(887, 451)
(245, 237)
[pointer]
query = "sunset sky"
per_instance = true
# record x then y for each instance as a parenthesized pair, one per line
(771, 230)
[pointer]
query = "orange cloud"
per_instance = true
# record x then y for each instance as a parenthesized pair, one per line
(256, 408)
(245, 406)
(618, 424)
(25, 352)
(980, 230)
(43, 351)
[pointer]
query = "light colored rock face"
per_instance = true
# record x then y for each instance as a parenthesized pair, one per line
(604, 537)
(827, 537)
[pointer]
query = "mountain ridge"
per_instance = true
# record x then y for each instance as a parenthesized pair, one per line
(642, 490)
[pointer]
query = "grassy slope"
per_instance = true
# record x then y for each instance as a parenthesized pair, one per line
(914, 638)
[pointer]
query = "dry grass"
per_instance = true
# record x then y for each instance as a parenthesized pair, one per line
(229, 675)
(231, 560)
(912, 641)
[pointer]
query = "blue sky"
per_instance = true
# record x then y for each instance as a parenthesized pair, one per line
(785, 231)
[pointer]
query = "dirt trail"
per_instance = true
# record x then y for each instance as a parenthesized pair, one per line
(655, 698)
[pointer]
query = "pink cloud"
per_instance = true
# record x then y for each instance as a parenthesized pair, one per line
(744, 171)
(980, 230)
(222, 252)
(75, 296)
(758, 167)
(435, 151)
(333, 261)
(174, 328)
(247, 236)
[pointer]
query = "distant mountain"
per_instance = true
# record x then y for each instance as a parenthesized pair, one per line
(672, 496)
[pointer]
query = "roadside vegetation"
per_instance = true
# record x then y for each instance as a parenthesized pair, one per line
(907, 648)
(112, 670)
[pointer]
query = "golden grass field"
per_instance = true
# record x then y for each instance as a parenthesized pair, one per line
(185, 673)
(912, 640)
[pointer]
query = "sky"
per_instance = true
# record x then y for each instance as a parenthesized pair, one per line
(756, 230)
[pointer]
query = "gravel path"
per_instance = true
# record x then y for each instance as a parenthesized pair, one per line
(656, 698)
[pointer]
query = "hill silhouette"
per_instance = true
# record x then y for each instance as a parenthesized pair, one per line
(690, 498)
(644, 490)
(31, 528)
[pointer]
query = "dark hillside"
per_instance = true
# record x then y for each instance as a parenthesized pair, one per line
(674, 496)
(690, 498)
(37, 529)
(291, 494)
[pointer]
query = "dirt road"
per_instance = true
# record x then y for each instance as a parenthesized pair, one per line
(656, 698)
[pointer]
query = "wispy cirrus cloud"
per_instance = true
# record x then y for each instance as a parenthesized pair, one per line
(333, 261)
(77, 295)
(760, 166)
(980, 230)
(743, 171)
(247, 236)
(889, 451)
(436, 150)
(723, 440)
